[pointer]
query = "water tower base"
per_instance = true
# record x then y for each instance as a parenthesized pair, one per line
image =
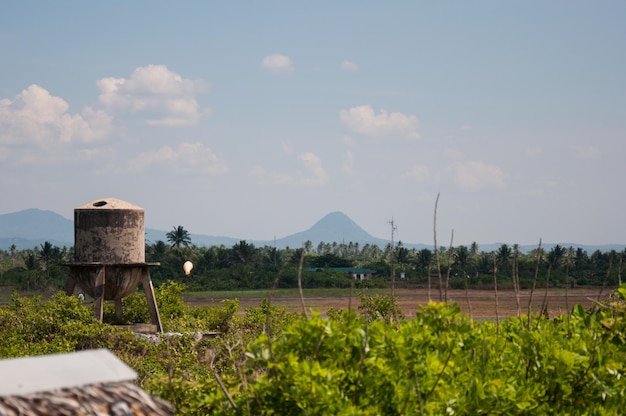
(97, 280)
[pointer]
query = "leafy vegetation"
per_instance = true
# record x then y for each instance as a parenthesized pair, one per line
(244, 266)
(370, 360)
(268, 361)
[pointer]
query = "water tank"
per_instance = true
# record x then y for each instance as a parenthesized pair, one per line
(110, 231)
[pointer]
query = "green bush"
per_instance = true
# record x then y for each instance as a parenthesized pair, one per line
(267, 361)
(438, 363)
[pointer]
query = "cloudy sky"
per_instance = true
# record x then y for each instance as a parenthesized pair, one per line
(255, 119)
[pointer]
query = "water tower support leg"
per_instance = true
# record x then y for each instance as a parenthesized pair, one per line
(119, 310)
(98, 301)
(70, 285)
(152, 305)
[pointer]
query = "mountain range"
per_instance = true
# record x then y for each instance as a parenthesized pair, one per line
(32, 227)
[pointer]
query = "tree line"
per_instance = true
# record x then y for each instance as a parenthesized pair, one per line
(246, 266)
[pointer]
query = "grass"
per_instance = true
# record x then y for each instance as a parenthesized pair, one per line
(278, 293)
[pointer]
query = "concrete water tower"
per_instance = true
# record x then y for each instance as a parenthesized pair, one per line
(109, 255)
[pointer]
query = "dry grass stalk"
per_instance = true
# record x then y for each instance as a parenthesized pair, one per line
(544, 302)
(515, 273)
(532, 290)
(430, 269)
(567, 264)
(300, 284)
(437, 250)
(495, 288)
(619, 269)
(606, 276)
(450, 253)
(469, 304)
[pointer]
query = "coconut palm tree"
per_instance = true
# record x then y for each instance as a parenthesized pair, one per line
(424, 260)
(48, 254)
(503, 255)
(157, 251)
(179, 237)
(308, 246)
(13, 250)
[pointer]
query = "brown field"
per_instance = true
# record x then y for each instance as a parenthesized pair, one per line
(483, 302)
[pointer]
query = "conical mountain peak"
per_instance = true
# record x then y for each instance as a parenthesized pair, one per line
(333, 227)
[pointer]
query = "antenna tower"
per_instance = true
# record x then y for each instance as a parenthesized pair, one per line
(394, 227)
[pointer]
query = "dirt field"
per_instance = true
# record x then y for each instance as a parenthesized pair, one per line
(483, 303)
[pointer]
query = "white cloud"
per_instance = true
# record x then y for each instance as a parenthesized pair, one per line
(313, 165)
(533, 151)
(453, 153)
(476, 176)
(418, 173)
(362, 120)
(533, 192)
(187, 158)
(586, 152)
(551, 183)
(465, 127)
(267, 177)
(36, 116)
(63, 156)
(347, 140)
(153, 92)
(288, 148)
(349, 66)
(4, 153)
(278, 64)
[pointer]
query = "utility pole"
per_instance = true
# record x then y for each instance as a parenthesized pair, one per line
(393, 257)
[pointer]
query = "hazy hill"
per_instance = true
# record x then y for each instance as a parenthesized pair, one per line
(334, 227)
(32, 227)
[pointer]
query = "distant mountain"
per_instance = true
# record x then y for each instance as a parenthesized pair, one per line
(334, 227)
(32, 227)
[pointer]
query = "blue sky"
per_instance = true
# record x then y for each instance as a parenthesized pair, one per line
(254, 120)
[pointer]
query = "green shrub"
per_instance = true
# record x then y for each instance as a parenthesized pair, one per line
(268, 361)
(383, 307)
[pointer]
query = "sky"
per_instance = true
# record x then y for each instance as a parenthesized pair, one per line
(254, 120)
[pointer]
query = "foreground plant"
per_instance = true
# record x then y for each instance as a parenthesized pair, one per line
(266, 361)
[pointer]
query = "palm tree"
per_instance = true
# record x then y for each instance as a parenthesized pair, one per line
(13, 254)
(243, 253)
(308, 246)
(424, 259)
(157, 251)
(179, 237)
(462, 258)
(48, 254)
(503, 255)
